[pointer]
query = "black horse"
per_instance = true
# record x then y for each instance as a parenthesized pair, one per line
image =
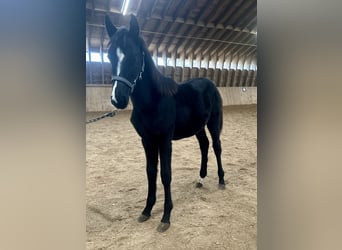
(162, 110)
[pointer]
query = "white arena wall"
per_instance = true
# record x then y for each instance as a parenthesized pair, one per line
(98, 97)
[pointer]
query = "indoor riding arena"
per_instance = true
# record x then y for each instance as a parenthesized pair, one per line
(214, 39)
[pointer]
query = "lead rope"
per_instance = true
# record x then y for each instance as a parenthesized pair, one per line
(110, 114)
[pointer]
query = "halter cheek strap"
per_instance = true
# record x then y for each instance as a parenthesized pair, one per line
(128, 83)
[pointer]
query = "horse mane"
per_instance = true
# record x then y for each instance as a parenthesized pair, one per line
(165, 85)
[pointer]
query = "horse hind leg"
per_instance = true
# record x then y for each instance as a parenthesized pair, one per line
(204, 146)
(214, 126)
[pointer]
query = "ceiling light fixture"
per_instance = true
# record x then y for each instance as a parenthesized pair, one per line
(125, 7)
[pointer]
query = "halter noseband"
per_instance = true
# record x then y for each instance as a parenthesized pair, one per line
(128, 83)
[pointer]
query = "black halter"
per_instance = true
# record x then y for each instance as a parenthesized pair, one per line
(128, 83)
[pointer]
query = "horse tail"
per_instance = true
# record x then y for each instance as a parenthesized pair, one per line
(216, 119)
(220, 110)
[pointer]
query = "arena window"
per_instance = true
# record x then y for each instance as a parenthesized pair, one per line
(95, 57)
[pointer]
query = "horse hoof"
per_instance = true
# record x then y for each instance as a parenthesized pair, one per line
(162, 227)
(222, 186)
(143, 218)
(199, 185)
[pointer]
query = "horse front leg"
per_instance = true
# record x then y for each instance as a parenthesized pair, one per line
(165, 165)
(151, 153)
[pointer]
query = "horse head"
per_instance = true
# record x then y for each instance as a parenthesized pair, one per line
(127, 59)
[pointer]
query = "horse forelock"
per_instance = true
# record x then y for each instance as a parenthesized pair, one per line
(119, 38)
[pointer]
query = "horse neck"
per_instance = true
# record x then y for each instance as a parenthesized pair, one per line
(164, 85)
(146, 93)
(153, 85)
(147, 89)
(152, 73)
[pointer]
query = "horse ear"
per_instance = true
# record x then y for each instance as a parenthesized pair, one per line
(109, 27)
(134, 26)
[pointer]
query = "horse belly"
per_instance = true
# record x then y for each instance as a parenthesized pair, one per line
(188, 124)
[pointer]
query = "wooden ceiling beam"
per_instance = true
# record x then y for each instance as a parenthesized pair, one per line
(183, 27)
(236, 39)
(185, 21)
(237, 50)
(246, 19)
(234, 6)
(241, 12)
(224, 36)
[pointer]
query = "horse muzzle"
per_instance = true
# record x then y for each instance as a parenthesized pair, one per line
(120, 103)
